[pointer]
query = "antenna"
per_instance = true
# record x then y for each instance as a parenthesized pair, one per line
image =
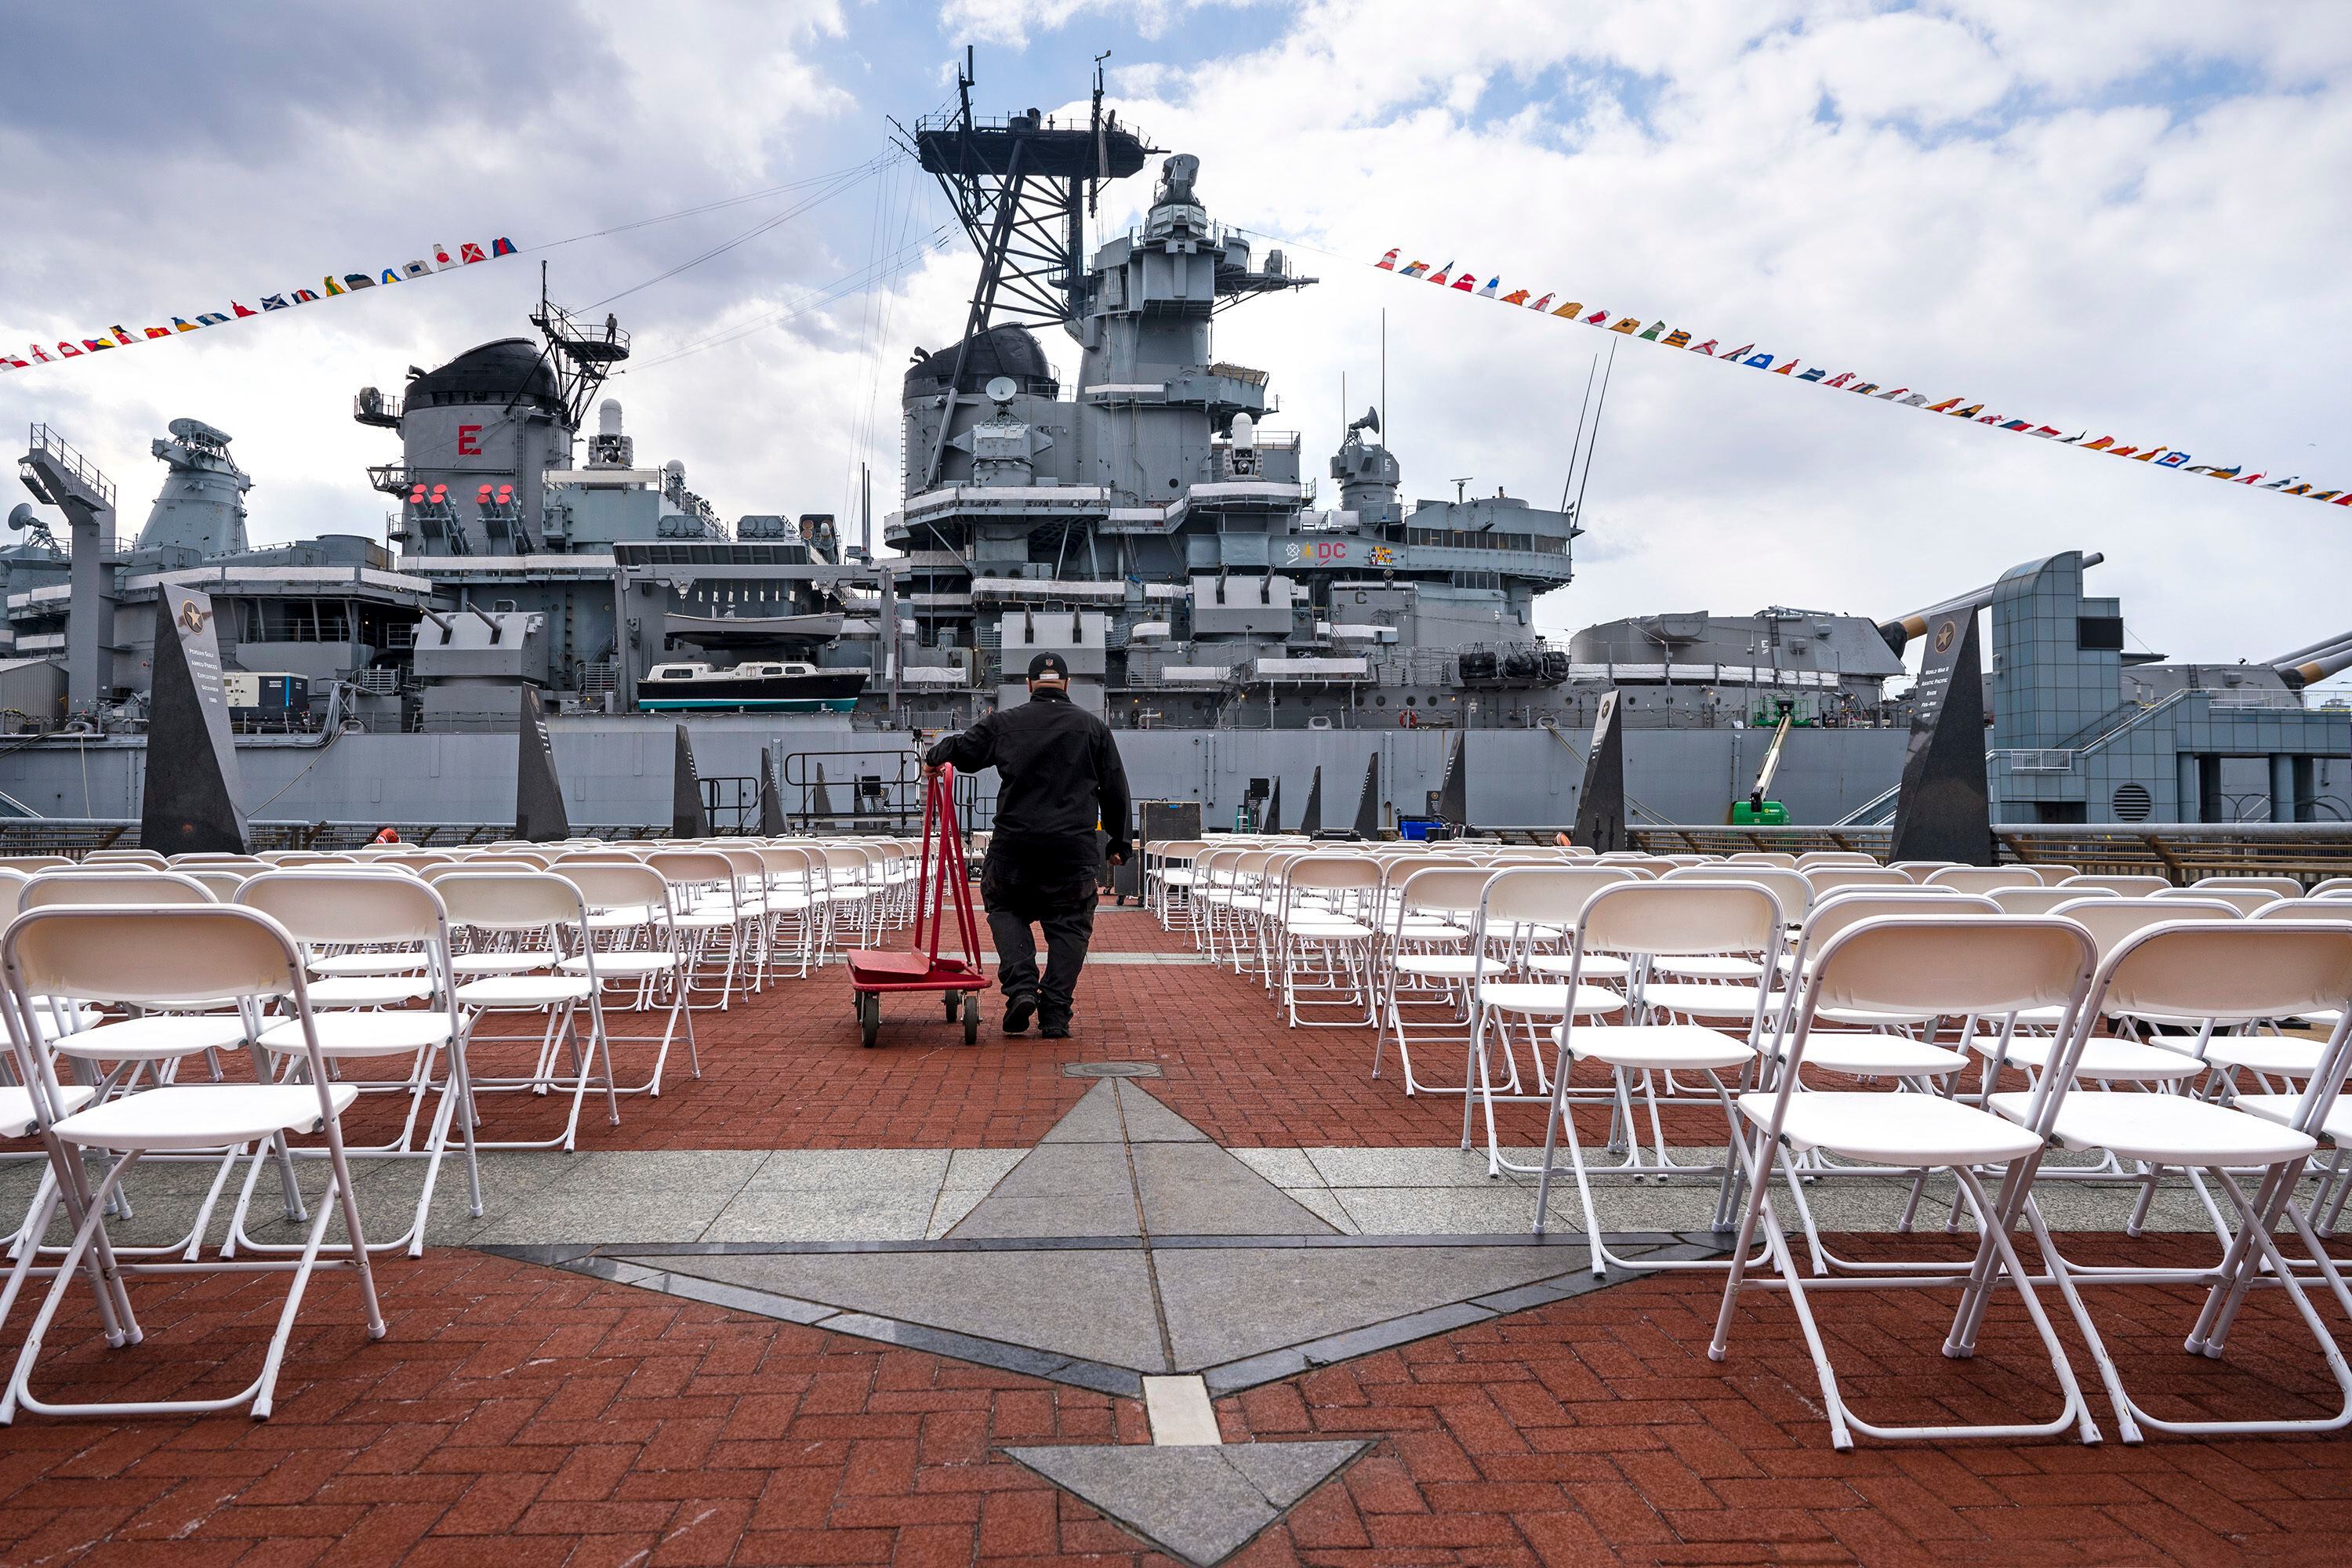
(1575, 444)
(1594, 446)
(1459, 486)
(1384, 379)
(1102, 147)
(866, 509)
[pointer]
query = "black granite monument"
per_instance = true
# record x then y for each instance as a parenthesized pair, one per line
(191, 801)
(1944, 811)
(539, 797)
(771, 808)
(688, 819)
(1600, 807)
(1368, 805)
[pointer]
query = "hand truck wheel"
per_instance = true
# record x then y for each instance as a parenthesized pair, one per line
(971, 1018)
(870, 1017)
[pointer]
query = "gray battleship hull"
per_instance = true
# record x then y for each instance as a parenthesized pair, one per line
(615, 772)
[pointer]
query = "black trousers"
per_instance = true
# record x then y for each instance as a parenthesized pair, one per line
(1049, 882)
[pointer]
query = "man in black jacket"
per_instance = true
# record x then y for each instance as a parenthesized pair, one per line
(1060, 775)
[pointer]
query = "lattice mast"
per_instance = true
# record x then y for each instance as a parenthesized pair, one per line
(1017, 185)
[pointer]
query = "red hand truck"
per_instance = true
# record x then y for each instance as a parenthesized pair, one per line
(874, 975)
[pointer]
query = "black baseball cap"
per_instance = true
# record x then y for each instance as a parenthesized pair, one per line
(1049, 666)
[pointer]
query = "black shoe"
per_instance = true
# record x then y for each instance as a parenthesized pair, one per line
(1017, 1014)
(1056, 1030)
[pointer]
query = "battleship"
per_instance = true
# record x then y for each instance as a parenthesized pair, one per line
(1258, 627)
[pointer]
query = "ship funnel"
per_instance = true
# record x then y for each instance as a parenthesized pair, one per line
(1899, 632)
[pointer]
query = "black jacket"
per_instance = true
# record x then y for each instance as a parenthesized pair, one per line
(1058, 765)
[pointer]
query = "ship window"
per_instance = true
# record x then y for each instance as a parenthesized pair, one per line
(1379, 701)
(1413, 701)
(2099, 633)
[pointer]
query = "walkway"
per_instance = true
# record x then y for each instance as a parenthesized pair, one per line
(1188, 1288)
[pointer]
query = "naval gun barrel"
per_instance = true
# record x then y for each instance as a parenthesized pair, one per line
(2307, 666)
(1899, 632)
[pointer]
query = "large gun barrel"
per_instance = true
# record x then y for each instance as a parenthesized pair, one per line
(1899, 632)
(2307, 666)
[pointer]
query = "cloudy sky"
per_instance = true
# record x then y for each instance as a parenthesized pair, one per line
(2120, 218)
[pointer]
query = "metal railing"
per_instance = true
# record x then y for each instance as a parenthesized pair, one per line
(2180, 851)
(51, 445)
(2031, 760)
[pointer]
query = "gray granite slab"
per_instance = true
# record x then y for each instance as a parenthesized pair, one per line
(1201, 1505)
(1054, 1170)
(1111, 1212)
(809, 1169)
(665, 1195)
(1149, 1121)
(1404, 1168)
(1198, 1189)
(1325, 1205)
(1287, 1168)
(1093, 1120)
(1225, 1303)
(826, 1213)
(979, 1168)
(1096, 1305)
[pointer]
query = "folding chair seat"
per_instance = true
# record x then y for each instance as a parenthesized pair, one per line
(1869, 1054)
(1903, 1130)
(2104, 1058)
(136, 957)
(2161, 1129)
(374, 962)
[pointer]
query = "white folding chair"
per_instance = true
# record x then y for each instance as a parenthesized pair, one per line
(132, 956)
(1522, 911)
(707, 909)
(2227, 972)
(1975, 965)
(1644, 923)
(371, 909)
(549, 919)
(640, 958)
(1324, 928)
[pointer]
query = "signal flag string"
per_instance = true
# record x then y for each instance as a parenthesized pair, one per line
(1465, 282)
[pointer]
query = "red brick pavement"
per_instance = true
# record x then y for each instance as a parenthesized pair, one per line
(785, 1070)
(520, 1415)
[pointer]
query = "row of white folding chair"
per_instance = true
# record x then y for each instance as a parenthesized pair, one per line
(2220, 969)
(155, 956)
(1874, 1131)
(1694, 987)
(1167, 875)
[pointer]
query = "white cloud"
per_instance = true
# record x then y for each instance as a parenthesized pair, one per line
(1015, 22)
